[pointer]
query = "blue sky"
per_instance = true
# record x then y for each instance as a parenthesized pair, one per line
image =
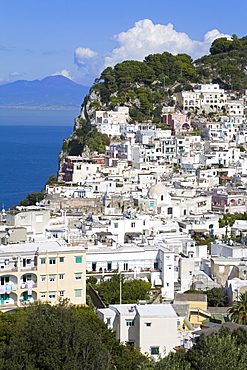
(79, 38)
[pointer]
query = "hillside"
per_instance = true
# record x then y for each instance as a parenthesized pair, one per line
(51, 92)
(147, 87)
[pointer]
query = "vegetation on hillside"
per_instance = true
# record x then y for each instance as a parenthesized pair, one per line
(83, 137)
(61, 337)
(226, 63)
(146, 87)
(66, 337)
(132, 290)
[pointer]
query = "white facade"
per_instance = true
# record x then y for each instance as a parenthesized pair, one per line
(153, 264)
(151, 328)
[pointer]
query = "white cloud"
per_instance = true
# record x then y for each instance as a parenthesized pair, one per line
(210, 36)
(89, 63)
(15, 74)
(64, 73)
(147, 38)
(83, 55)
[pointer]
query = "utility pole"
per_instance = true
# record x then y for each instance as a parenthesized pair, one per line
(120, 286)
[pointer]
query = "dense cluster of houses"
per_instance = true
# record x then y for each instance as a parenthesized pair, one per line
(144, 209)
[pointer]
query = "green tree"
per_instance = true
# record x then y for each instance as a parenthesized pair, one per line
(51, 180)
(238, 309)
(227, 220)
(220, 45)
(215, 297)
(216, 351)
(63, 337)
(132, 290)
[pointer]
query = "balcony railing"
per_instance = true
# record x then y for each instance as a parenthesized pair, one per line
(25, 285)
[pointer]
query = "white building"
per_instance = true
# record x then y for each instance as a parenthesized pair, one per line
(150, 263)
(152, 328)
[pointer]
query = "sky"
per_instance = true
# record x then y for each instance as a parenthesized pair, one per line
(79, 38)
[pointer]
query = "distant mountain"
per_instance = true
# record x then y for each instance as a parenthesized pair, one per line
(51, 92)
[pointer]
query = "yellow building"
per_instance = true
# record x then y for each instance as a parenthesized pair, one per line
(44, 271)
(197, 307)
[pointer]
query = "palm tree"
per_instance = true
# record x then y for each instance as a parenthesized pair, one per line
(239, 309)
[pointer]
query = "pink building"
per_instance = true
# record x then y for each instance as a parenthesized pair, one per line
(178, 122)
(230, 202)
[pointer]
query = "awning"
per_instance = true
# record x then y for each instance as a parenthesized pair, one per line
(200, 230)
(133, 234)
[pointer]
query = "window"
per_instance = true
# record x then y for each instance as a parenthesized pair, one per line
(78, 259)
(61, 259)
(78, 292)
(39, 218)
(52, 295)
(52, 277)
(78, 276)
(108, 321)
(169, 210)
(61, 276)
(125, 266)
(109, 264)
(130, 322)
(154, 350)
(42, 261)
(42, 295)
(156, 265)
(94, 266)
(148, 323)
(43, 278)
(133, 224)
(52, 261)
(115, 225)
(61, 293)
(29, 261)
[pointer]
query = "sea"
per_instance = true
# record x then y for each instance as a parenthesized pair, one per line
(30, 142)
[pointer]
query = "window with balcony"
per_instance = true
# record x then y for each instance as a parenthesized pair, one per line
(52, 278)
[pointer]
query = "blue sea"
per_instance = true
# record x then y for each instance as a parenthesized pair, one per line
(30, 141)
